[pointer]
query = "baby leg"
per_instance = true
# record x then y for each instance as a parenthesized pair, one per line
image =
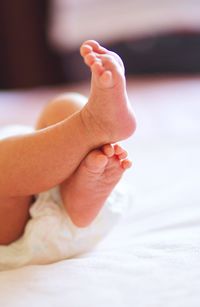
(60, 108)
(14, 211)
(14, 215)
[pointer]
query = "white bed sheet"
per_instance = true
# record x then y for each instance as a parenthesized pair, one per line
(153, 257)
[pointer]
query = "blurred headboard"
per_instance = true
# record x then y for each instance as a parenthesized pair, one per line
(73, 21)
(152, 36)
(26, 58)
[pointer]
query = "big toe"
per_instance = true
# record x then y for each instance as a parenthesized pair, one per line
(85, 49)
(96, 161)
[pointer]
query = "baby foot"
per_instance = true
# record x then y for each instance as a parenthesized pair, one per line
(86, 191)
(108, 107)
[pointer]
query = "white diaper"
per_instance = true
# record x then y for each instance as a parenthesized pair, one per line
(50, 235)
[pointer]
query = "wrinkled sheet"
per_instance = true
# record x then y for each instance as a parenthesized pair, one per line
(153, 257)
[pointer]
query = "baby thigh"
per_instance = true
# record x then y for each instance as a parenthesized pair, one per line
(14, 215)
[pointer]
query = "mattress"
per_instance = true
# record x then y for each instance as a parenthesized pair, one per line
(152, 258)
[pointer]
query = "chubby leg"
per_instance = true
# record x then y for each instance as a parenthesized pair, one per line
(14, 214)
(60, 108)
(14, 211)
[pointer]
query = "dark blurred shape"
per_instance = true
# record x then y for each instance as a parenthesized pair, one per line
(26, 59)
(167, 53)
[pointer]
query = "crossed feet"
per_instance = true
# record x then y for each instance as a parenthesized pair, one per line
(109, 115)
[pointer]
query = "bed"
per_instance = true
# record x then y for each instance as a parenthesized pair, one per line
(152, 257)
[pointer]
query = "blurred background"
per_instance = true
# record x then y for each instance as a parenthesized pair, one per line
(40, 39)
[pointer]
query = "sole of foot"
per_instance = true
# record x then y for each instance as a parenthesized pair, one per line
(86, 191)
(108, 107)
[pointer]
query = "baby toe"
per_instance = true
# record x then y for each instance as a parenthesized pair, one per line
(118, 149)
(126, 164)
(92, 43)
(123, 155)
(97, 68)
(90, 58)
(108, 150)
(85, 49)
(96, 161)
(112, 64)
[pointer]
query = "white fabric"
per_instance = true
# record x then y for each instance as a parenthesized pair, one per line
(72, 22)
(50, 235)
